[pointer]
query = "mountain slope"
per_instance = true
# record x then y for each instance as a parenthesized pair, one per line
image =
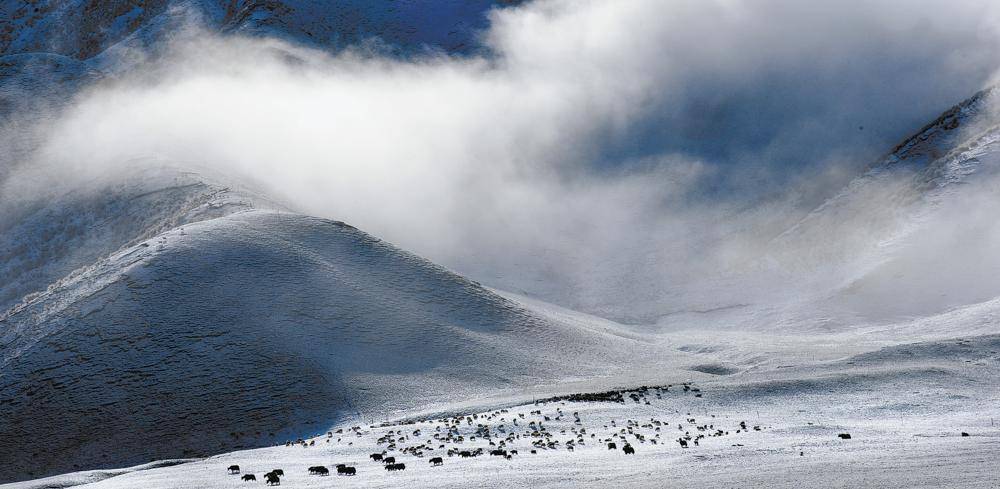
(245, 329)
(896, 241)
(44, 239)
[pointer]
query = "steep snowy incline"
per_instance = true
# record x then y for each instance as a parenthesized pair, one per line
(243, 330)
(895, 242)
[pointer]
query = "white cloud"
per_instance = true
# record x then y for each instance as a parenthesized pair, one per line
(594, 148)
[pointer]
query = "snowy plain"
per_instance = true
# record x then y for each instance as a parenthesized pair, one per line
(905, 409)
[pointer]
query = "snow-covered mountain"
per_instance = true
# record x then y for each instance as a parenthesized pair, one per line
(906, 228)
(212, 319)
(83, 29)
(161, 312)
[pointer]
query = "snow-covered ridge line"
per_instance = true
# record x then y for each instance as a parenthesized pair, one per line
(936, 132)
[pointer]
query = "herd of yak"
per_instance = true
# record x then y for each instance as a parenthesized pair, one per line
(502, 431)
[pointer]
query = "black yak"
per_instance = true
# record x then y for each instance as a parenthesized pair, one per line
(319, 470)
(249, 477)
(376, 457)
(234, 469)
(628, 449)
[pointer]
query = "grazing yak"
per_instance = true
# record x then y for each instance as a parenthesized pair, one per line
(249, 477)
(279, 472)
(389, 460)
(683, 442)
(465, 454)
(395, 467)
(845, 436)
(436, 461)
(628, 449)
(612, 446)
(319, 470)
(272, 479)
(345, 470)
(234, 469)
(376, 457)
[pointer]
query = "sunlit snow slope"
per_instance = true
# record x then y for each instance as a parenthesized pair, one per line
(213, 325)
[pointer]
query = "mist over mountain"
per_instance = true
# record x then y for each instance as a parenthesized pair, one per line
(225, 224)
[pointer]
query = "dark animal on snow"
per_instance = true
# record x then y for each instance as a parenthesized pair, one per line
(389, 460)
(376, 457)
(234, 469)
(279, 472)
(464, 454)
(437, 461)
(272, 479)
(683, 442)
(845, 436)
(612, 446)
(319, 470)
(249, 477)
(628, 450)
(345, 470)
(395, 467)
(965, 434)
(499, 453)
